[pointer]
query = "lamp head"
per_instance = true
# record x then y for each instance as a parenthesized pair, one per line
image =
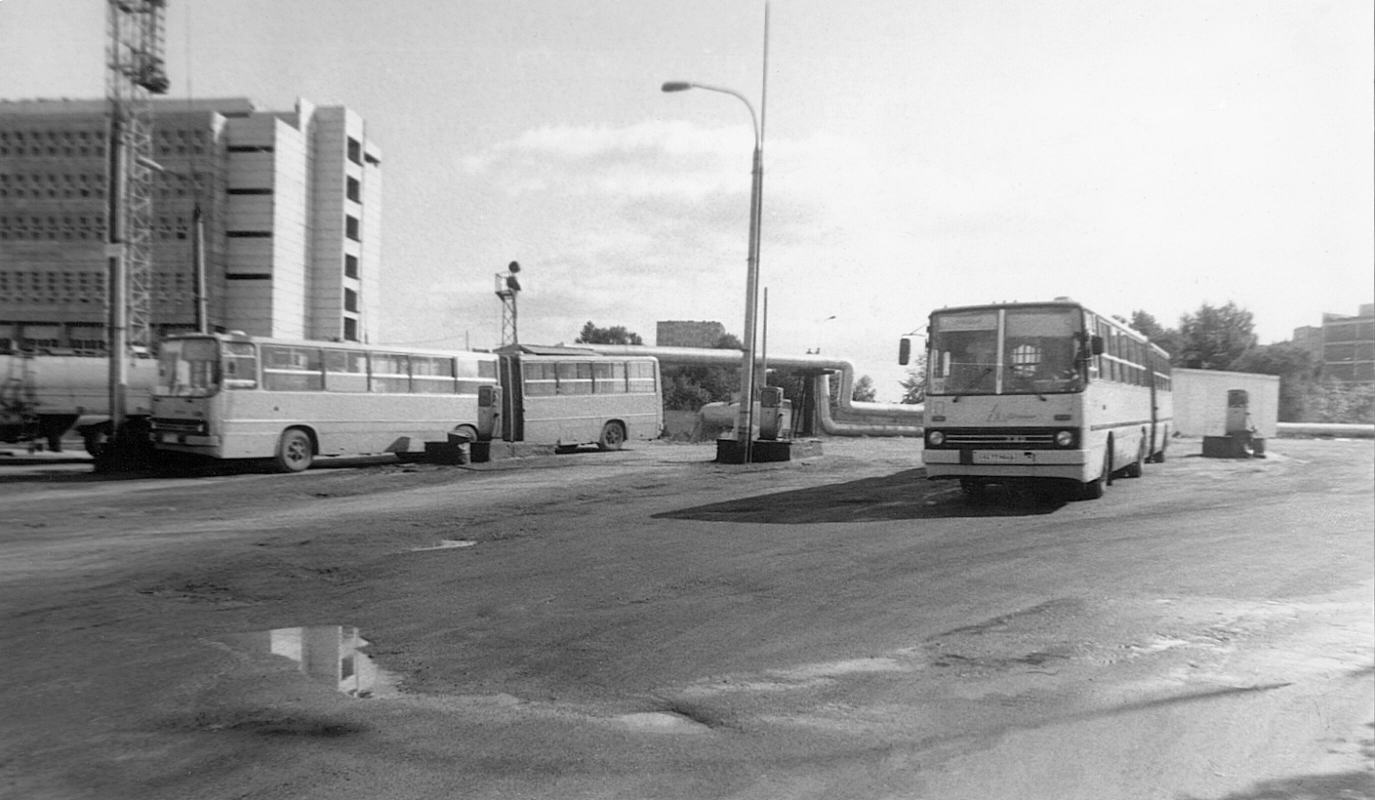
(676, 86)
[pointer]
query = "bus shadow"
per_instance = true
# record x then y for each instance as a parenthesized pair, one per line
(53, 471)
(905, 495)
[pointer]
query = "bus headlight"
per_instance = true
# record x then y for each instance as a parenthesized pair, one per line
(1064, 438)
(935, 438)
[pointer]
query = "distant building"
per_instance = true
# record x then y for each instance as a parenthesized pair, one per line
(292, 202)
(675, 333)
(1344, 346)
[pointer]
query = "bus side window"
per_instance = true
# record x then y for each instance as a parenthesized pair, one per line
(240, 366)
(432, 375)
(575, 377)
(346, 371)
(292, 369)
(605, 380)
(641, 377)
(391, 373)
(540, 379)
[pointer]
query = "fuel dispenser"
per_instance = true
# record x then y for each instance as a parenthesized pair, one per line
(775, 414)
(1239, 439)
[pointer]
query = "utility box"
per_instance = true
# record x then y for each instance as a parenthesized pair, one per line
(1239, 439)
(774, 414)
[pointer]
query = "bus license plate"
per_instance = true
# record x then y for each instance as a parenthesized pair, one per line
(1004, 457)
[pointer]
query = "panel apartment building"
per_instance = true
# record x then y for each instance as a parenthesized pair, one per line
(1343, 345)
(291, 201)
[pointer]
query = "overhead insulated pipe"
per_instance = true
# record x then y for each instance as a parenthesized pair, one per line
(852, 418)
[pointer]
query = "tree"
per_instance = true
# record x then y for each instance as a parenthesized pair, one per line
(689, 388)
(1168, 338)
(591, 334)
(1331, 401)
(1293, 365)
(864, 391)
(914, 385)
(913, 388)
(1214, 338)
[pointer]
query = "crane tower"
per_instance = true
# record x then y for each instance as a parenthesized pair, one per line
(135, 70)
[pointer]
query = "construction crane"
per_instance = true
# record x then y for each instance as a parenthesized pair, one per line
(135, 69)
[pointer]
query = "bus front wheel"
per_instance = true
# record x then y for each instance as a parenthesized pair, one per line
(613, 436)
(1094, 489)
(295, 453)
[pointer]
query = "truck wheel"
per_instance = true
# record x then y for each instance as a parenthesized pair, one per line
(95, 438)
(295, 453)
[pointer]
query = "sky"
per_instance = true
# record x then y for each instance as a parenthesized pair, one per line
(1149, 155)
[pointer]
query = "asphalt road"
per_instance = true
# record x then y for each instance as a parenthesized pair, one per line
(648, 624)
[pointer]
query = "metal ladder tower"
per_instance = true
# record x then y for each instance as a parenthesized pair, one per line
(134, 70)
(507, 290)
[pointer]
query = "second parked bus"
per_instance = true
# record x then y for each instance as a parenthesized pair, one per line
(569, 396)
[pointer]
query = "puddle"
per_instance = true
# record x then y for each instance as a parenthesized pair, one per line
(651, 721)
(331, 655)
(445, 544)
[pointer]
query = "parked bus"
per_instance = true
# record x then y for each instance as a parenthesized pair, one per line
(568, 396)
(1042, 391)
(236, 396)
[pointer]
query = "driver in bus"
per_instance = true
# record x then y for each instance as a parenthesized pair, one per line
(974, 370)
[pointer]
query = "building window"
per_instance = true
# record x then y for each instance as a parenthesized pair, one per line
(354, 190)
(350, 300)
(355, 151)
(351, 228)
(351, 266)
(350, 330)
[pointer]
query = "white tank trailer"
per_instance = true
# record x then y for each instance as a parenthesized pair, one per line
(45, 396)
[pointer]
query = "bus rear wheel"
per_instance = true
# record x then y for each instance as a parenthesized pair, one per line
(295, 453)
(613, 436)
(1136, 468)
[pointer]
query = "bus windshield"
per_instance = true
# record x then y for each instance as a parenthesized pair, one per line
(1017, 351)
(188, 367)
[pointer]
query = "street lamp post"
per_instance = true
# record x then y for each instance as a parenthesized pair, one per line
(744, 421)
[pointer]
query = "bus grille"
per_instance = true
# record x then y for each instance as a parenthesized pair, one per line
(996, 438)
(164, 424)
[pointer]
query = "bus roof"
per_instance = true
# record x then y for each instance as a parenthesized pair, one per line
(235, 336)
(1059, 302)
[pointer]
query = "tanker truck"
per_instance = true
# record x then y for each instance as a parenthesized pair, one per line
(45, 396)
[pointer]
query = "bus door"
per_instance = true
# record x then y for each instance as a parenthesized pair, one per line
(512, 398)
(1151, 365)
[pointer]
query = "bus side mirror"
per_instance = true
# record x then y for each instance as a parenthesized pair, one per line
(904, 351)
(1096, 345)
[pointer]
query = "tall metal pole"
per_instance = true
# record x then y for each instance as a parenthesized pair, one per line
(198, 250)
(118, 292)
(756, 222)
(744, 421)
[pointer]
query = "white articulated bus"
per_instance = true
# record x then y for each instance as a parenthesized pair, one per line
(236, 396)
(567, 396)
(1042, 391)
